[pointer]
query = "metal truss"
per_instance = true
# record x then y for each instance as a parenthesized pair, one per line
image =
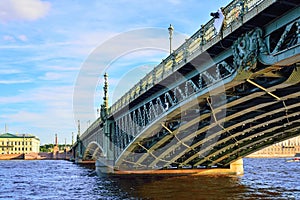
(131, 124)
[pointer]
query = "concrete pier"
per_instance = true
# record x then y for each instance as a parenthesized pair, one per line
(236, 168)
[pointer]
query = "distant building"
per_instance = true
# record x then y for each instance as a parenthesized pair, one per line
(19, 143)
(286, 148)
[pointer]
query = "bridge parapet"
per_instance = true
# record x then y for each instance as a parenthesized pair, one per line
(91, 129)
(235, 15)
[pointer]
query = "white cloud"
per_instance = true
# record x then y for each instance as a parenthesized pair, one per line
(46, 95)
(8, 38)
(43, 124)
(23, 10)
(174, 2)
(8, 82)
(23, 38)
(50, 76)
(60, 68)
(9, 71)
(47, 109)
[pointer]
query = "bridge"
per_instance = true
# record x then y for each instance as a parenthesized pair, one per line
(225, 93)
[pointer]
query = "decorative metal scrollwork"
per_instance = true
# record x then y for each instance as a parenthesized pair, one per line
(246, 49)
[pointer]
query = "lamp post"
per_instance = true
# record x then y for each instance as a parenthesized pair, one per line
(170, 29)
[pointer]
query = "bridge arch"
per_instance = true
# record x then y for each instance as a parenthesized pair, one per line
(93, 151)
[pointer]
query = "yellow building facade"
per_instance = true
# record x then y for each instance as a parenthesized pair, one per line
(287, 148)
(19, 143)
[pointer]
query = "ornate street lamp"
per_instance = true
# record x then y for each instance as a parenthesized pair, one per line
(171, 29)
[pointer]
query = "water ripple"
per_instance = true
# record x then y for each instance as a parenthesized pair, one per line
(263, 179)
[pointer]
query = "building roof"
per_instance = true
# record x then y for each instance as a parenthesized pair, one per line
(9, 135)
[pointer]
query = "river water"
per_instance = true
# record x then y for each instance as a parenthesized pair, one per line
(49, 179)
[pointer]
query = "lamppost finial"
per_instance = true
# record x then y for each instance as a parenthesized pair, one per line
(170, 29)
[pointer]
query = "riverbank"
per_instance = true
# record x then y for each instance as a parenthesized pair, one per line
(270, 156)
(37, 156)
(260, 155)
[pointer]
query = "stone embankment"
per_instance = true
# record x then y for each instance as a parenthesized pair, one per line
(37, 156)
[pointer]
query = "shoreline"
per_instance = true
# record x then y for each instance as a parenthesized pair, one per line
(270, 156)
(36, 156)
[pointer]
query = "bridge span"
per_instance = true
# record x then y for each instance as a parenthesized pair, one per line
(222, 95)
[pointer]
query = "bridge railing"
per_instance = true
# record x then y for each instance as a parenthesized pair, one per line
(91, 129)
(200, 41)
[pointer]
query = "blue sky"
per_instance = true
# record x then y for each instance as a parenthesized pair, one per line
(46, 45)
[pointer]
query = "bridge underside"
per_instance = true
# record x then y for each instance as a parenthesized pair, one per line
(216, 129)
(92, 152)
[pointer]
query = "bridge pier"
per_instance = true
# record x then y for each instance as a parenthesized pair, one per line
(237, 167)
(104, 166)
